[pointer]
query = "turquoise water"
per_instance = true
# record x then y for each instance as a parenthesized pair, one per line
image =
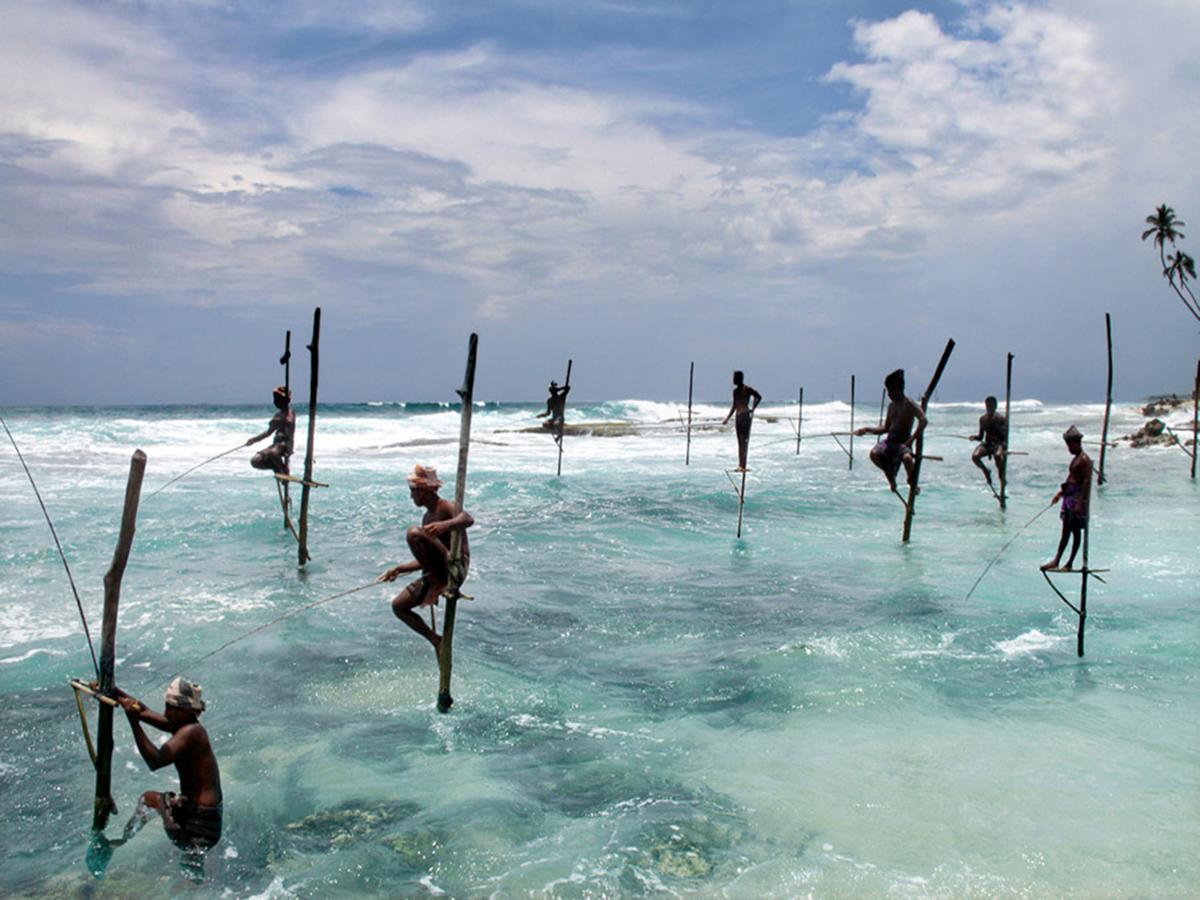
(644, 703)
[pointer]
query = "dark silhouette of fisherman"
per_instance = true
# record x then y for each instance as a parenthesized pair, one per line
(895, 447)
(283, 426)
(556, 408)
(993, 433)
(745, 402)
(1076, 495)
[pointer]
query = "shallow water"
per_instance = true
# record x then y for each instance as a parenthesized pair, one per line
(644, 703)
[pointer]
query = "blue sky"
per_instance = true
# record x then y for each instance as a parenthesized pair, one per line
(801, 190)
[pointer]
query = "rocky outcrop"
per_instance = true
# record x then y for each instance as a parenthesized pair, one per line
(1153, 434)
(1165, 403)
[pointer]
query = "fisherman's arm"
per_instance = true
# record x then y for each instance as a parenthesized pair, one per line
(136, 709)
(978, 436)
(444, 526)
(393, 573)
(732, 410)
(757, 399)
(258, 437)
(921, 423)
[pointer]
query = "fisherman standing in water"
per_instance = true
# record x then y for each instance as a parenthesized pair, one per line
(895, 447)
(191, 818)
(745, 402)
(283, 425)
(993, 432)
(556, 407)
(1076, 495)
(430, 546)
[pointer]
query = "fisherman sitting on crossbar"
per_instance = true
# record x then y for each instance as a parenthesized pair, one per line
(283, 426)
(191, 818)
(430, 546)
(895, 447)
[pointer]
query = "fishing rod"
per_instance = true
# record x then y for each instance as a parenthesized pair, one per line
(1005, 547)
(87, 633)
(195, 467)
(277, 619)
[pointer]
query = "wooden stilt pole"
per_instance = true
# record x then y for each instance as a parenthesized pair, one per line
(1107, 399)
(741, 502)
(563, 420)
(104, 805)
(882, 401)
(799, 419)
(1083, 585)
(851, 453)
(1195, 420)
(285, 497)
(687, 457)
(919, 450)
(1007, 430)
(315, 351)
(446, 653)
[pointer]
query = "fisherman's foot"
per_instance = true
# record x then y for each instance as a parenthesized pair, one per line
(1053, 564)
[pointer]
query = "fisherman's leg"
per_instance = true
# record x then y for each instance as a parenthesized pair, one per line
(977, 457)
(1076, 534)
(147, 803)
(879, 457)
(431, 554)
(1002, 466)
(910, 469)
(1062, 545)
(261, 460)
(404, 606)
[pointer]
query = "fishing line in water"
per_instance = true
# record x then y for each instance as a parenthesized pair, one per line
(1006, 546)
(194, 468)
(78, 603)
(274, 621)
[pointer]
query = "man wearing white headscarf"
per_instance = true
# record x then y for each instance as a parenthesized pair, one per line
(192, 818)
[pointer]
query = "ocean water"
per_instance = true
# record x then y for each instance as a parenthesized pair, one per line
(645, 704)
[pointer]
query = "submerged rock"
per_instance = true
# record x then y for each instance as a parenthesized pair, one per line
(347, 824)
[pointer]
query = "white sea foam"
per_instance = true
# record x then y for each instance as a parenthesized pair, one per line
(1033, 641)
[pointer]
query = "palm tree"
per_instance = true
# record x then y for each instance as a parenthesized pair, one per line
(1165, 227)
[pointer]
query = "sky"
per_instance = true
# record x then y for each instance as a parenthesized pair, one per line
(802, 190)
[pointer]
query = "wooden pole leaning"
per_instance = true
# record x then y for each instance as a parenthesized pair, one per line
(1195, 420)
(741, 503)
(1107, 399)
(920, 448)
(1083, 585)
(314, 350)
(446, 651)
(563, 421)
(1007, 430)
(851, 453)
(104, 805)
(799, 419)
(285, 498)
(687, 456)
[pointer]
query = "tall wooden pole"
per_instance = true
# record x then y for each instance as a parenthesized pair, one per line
(1007, 430)
(1083, 595)
(851, 453)
(446, 652)
(799, 419)
(920, 448)
(314, 350)
(687, 457)
(1107, 398)
(104, 805)
(741, 502)
(1195, 420)
(563, 421)
(286, 362)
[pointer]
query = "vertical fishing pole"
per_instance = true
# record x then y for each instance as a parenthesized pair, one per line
(799, 418)
(562, 421)
(687, 457)
(851, 453)
(1007, 431)
(1107, 398)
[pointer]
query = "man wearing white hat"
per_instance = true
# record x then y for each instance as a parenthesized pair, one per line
(192, 818)
(430, 546)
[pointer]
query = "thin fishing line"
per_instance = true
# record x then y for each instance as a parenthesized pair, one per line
(277, 619)
(87, 633)
(1005, 547)
(194, 468)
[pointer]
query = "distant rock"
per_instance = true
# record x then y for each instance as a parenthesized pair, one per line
(1153, 434)
(1157, 406)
